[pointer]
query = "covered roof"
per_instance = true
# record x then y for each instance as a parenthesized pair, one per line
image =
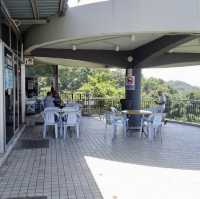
(26, 13)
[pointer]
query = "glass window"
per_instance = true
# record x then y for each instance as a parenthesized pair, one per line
(9, 94)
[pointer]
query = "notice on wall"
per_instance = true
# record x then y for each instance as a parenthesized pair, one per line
(29, 61)
(130, 80)
(130, 83)
(8, 78)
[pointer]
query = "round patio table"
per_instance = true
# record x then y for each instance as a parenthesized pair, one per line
(137, 112)
(141, 113)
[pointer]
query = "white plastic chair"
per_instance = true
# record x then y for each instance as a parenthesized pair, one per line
(71, 119)
(147, 119)
(68, 109)
(113, 110)
(112, 119)
(51, 118)
(30, 106)
(155, 126)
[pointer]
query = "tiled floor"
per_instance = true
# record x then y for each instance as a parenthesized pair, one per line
(97, 166)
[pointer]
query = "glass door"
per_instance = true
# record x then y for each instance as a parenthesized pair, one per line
(9, 94)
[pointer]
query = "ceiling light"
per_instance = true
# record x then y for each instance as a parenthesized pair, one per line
(132, 37)
(117, 48)
(130, 59)
(74, 48)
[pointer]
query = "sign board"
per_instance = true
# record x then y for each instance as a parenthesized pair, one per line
(9, 78)
(29, 61)
(130, 83)
(8, 72)
(130, 80)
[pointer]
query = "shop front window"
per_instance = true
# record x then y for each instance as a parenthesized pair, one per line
(9, 94)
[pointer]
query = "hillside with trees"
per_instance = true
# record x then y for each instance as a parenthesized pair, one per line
(183, 87)
(109, 83)
(183, 100)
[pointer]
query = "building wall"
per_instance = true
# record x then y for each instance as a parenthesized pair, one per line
(15, 117)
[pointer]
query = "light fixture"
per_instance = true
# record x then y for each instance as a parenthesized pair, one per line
(130, 59)
(117, 48)
(74, 48)
(132, 37)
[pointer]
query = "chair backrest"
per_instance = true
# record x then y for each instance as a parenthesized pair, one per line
(109, 116)
(113, 109)
(157, 119)
(69, 109)
(152, 109)
(69, 103)
(70, 117)
(51, 115)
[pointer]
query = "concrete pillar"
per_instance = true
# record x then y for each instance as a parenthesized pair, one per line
(2, 110)
(133, 93)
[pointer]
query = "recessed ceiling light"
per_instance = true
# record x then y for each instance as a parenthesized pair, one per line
(117, 48)
(74, 48)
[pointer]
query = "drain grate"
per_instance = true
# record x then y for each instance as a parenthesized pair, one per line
(32, 144)
(34, 197)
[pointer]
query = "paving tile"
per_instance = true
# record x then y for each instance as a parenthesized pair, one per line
(65, 169)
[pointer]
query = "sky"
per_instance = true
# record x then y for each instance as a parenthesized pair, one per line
(72, 3)
(188, 74)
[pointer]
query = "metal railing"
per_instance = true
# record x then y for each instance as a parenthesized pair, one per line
(181, 110)
(184, 110)
(93, 106)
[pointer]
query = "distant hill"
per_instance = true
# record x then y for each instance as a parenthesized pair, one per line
(182, 86)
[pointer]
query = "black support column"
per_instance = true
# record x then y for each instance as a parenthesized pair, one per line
(133, 94)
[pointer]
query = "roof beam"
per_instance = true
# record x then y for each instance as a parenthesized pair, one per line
(158, 47)
(31, 21)
(35, 9)
(176, 59)
(62, 7)
(106, 57)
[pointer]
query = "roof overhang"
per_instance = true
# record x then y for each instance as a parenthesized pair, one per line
(26, 13)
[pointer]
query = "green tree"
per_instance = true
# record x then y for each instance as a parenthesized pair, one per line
(71, 79)
(102, 84)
